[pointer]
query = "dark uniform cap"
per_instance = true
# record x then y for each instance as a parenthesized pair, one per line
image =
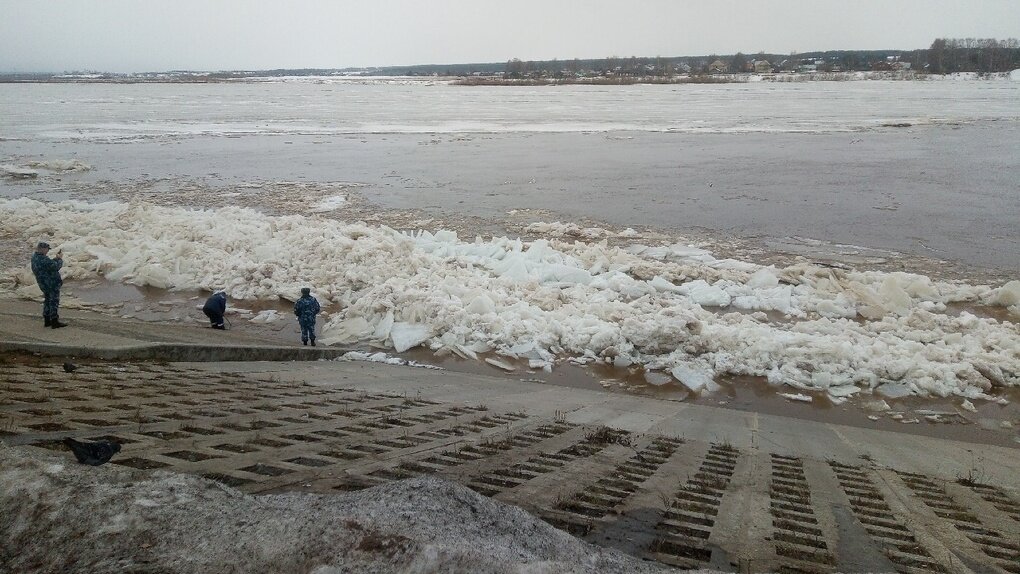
(305, 290)
(42, 245)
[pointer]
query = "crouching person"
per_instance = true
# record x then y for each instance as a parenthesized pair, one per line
(215, 307)
(306, 308)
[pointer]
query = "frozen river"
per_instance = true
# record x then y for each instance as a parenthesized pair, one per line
(908, 172)
(926, 168)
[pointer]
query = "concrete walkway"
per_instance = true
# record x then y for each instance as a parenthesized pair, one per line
(95, 335)
(684, 484)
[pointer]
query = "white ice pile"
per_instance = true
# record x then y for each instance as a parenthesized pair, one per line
(16, 172)
(61, 165)
(31, 171)
(331, 203)
(673, 309)
(381, 357)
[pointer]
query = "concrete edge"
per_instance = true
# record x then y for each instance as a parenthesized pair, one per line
(177, 352)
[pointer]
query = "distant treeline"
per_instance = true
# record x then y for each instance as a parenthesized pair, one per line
(945, 56)
(948, 55)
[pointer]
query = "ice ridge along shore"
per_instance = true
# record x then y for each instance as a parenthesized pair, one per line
(671, 308)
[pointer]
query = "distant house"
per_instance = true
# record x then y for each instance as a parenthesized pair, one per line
(761, 67)
(718, 67)
(809, 65)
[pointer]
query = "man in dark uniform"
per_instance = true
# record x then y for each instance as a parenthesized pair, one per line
(214, 308)
(306, 308)
(47, 274)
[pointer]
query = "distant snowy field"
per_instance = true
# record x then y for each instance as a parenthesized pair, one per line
(665, 307)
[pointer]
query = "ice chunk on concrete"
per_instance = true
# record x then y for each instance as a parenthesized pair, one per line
(151, 274)
(500, 364)
(408, 335)
(894, 390)
(796, 397)
(657, 379)
(267, 316)
(694, 378)
(540, 364)
(465, 352)
(843, 391)
(348, 331)
(879, 406)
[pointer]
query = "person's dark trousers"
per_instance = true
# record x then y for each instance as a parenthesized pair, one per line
(215, 319)
(307, 332)
(51, 309)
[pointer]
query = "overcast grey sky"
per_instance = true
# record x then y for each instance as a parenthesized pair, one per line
(137, 35)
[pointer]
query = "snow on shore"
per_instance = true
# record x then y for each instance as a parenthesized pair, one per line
(60, 516)
(671, 308)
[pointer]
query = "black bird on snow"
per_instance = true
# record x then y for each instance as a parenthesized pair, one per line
(92, 453)
(70, 367)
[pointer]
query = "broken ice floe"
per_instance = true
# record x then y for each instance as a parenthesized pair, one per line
(384, 358)
(267, 316)
(667, 308)
(16, 172)
(61, 165)
(331, 203)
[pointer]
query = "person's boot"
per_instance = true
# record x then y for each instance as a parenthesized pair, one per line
(48, 321)
(313, 342)
(303, 342)
(55, 323)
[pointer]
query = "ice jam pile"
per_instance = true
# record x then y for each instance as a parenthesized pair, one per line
(669, 308)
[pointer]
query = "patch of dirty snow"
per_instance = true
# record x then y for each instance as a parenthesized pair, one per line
(110, 520)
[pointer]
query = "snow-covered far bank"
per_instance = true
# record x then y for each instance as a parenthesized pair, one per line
(671, 308)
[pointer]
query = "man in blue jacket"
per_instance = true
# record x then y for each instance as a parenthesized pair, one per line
(47, 275)
(215, 307)
(306, 308)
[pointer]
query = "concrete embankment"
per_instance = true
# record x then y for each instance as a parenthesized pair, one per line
(683, 484)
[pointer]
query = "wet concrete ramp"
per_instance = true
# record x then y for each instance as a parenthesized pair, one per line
(675, 498)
